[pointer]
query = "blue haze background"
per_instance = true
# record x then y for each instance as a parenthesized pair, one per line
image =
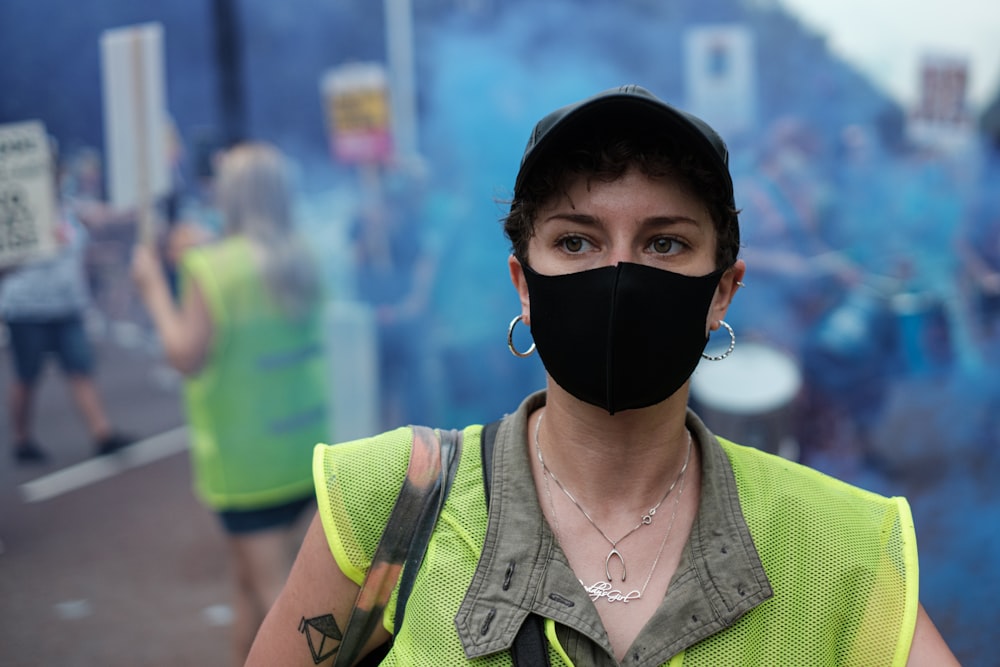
(926, 385)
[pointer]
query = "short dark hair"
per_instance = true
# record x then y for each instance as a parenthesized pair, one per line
(606, 156)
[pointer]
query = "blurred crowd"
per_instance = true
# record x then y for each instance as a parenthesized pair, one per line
(872, 268)
(868, 266)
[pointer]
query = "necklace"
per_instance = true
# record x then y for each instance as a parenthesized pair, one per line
(604, 589)
(646, 519)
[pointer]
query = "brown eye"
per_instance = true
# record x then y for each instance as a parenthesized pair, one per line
(664, 245)
(572, 244)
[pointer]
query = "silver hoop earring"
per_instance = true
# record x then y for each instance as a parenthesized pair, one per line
(732, 345)
(510, 340)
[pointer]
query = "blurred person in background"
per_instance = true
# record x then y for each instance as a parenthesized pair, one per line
(246, 333)
(44, 303)
(799, 278)
(978, 246)
(190, 211)
(394, 274)
(112, 234)
(847, 353)
(795, 273)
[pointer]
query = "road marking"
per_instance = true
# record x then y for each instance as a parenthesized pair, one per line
(99, 468)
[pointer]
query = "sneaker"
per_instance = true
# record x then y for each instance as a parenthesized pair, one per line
(29, 452)
(113, 443)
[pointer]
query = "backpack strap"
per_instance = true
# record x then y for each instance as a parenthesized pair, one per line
(529, 648)
(401, 549)
(451, 443)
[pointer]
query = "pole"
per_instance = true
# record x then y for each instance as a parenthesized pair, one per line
(145, 212)
(402, 77)
(229, 55)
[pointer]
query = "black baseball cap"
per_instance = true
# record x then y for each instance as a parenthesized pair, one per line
(627, 106)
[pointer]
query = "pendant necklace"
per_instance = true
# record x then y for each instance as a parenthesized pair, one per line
(605, 589)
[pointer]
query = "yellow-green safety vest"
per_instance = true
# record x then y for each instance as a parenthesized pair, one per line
(856, 609)
(259, 406)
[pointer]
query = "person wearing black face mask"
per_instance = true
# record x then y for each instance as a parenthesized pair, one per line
(616, 528)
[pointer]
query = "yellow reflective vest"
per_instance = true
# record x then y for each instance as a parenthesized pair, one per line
(259, 406)
(858, 608)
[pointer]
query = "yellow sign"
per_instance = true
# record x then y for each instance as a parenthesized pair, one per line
(360, 111)
(356, 97)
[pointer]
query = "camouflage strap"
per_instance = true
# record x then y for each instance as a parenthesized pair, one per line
(404, 541)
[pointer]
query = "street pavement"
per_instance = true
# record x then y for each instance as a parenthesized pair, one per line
(109, 561)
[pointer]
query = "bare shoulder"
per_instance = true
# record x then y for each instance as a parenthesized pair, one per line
(305, 625)
(929, 648)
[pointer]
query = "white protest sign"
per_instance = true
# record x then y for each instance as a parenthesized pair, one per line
(27, 193)
(720, 77)
(135, 116)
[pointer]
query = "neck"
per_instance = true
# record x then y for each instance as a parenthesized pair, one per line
(626, 456)
(631, 431)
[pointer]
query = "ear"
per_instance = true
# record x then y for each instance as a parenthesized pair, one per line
(521, 285)
(730, 283)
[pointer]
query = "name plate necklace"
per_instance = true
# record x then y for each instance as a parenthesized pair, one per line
(606, 589)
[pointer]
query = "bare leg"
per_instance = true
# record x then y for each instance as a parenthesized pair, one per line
(88, 402)
(261, 564)
(22, 403)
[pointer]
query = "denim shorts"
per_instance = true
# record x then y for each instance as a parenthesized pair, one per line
(65, 338)
(240, 522)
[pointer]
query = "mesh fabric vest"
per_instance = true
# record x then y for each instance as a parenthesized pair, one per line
(858, 608)
(258, 407)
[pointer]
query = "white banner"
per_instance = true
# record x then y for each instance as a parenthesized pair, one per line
(135, 115)
(720, 77)
(27, 193)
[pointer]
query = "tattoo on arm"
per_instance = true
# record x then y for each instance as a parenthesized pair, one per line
(323, 636)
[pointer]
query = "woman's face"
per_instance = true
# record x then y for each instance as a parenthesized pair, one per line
(634, 219)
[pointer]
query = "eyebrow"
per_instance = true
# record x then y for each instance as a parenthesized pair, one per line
(589, 220)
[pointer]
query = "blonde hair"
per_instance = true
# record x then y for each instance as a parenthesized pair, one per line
(255, 199)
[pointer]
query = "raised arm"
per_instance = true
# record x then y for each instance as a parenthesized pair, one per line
(305, 624)
(185, 330)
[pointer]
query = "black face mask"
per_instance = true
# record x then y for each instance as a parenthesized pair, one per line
(620, 337)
